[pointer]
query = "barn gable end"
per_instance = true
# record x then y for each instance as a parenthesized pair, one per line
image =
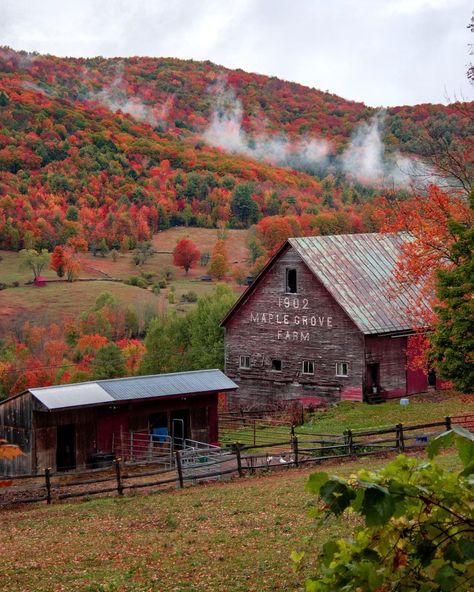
(324, 320)
(307, 326)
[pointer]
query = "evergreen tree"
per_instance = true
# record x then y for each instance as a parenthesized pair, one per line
(108, 362)
(452, 342)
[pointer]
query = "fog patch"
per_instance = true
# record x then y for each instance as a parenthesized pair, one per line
(116, 98)
(225, 131)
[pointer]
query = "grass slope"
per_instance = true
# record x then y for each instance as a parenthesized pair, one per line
(232, 537)
(434, 406)
(69, 299)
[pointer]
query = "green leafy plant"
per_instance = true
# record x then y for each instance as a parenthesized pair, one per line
(418, 525)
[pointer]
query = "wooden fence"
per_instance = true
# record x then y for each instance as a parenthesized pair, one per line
(294, 449)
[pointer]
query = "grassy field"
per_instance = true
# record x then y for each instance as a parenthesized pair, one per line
(422, 409)
(65, 299)
(53, 301)
(345, 415)
(232, 537)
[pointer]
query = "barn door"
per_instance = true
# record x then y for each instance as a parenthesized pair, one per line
(373, 378)
(66, 447)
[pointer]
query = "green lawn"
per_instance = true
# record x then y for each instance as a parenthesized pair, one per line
(232, 536)
(345, 415)
(422, 409)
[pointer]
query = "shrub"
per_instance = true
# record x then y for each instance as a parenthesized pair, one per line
(189, 297)
(418, 532)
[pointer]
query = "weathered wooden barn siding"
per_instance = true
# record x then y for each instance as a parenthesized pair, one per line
(264, 327)
(15, 426)
(45, 432)
(135, 416)
(95, 426)
(390, 354)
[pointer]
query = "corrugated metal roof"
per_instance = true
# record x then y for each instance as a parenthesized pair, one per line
(70, 395)
(137, 387)
(358, 271)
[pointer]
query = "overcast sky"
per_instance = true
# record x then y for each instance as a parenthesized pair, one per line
(382, 52)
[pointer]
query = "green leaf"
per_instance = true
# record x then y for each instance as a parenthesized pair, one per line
(468, 470)
(467, 548)
(378, 506)
(337, 495)
(329, 549)
(425, 550)
(466, 450)
(359, 498)
(444, 440)
(460, 431)
(297, 556)
(446, 577)
(315, 481)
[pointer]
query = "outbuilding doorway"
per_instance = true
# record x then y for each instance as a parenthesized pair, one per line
(179, 428)
(66, 447)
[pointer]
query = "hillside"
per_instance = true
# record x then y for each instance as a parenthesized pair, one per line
(107, 148)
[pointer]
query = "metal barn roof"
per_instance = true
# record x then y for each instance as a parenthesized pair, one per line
(358, 271)
(138, 387)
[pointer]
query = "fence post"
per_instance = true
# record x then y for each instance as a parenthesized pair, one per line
(302, 414)
(294, 442)
(179, 468)
(400, 438)
(118, 475)
(350, 443)
(47, 477)
(254, 432)
(239, 459)
(292, 430)
(447, 421)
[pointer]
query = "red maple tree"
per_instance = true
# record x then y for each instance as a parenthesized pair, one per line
(186, 254)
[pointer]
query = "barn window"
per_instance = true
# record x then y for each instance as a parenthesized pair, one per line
(244, 362)
(308, 367)
(342, 368)
(291, 283)
(276, 365)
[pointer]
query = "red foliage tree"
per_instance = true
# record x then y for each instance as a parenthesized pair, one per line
(58, 262)
(186, 254)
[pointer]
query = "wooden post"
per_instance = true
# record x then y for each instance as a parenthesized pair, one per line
(350, 442)
(292, 430)
(47, 477)
(239, 460)
(122, 446)
(179, 469)
(401, 437)
(254, 432)
(118, 475)
(302, 414)
(294, 443)
(447, 421)
(131, 446)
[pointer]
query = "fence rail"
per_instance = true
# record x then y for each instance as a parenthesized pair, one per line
(205, 462)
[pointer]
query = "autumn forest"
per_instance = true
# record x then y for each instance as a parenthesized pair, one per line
(98, 156)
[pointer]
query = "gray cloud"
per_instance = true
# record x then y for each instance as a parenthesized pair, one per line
(383, 53)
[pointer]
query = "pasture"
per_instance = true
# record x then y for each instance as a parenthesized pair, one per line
(234, 537)
(65, 299)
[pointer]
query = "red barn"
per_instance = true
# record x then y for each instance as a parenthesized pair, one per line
(73, 425)
(325, 319)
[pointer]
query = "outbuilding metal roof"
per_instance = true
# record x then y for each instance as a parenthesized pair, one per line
(358, 270)
(134, 388)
